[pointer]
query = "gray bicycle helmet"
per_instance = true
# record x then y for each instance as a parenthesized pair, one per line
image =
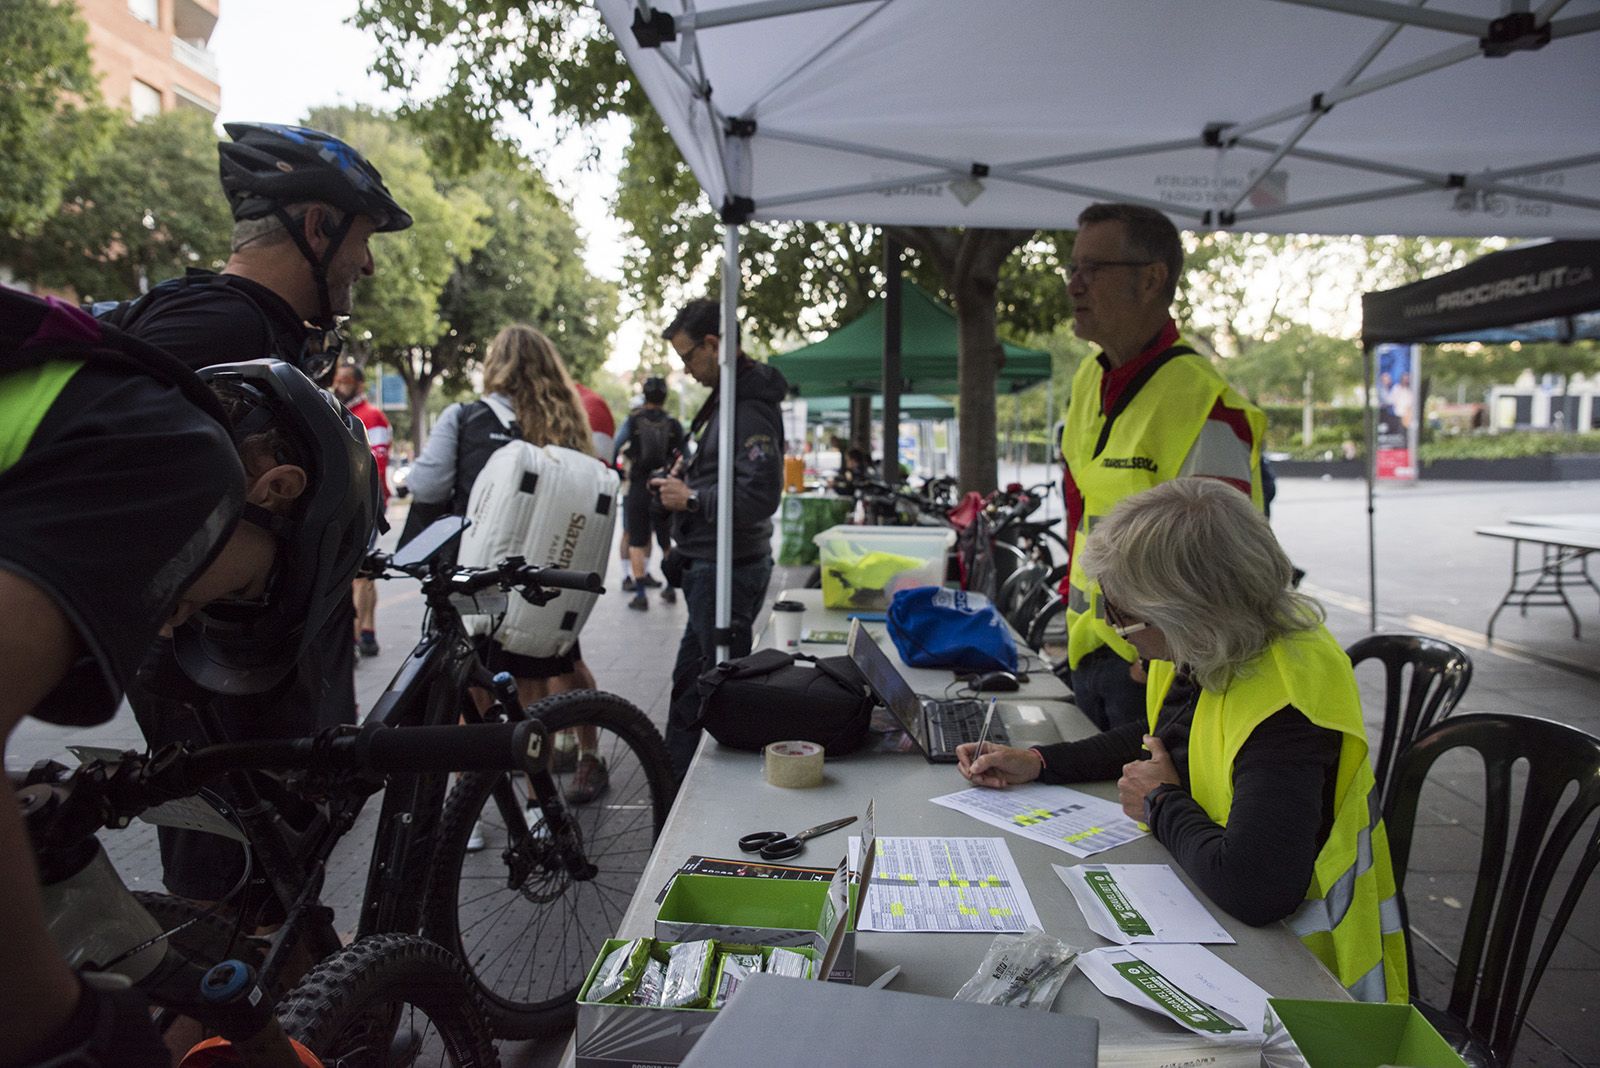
(248, 649)
(268, 167)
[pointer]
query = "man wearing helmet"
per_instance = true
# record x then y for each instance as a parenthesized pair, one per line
(86, 412)
(305, 205)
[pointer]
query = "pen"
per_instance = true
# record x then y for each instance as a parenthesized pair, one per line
(983, 733)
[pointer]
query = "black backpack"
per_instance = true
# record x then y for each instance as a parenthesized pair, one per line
(774, 696)
(654, 437)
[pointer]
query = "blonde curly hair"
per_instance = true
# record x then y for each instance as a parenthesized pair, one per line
(524, 365)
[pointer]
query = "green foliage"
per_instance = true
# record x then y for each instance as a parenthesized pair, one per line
(51, 121)
(505, 59)
(141, 211)
(1278, 367)
(1511, 445)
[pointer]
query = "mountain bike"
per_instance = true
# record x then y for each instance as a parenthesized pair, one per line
(355, 1007)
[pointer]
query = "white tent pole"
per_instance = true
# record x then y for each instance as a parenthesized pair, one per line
(727, 410)
(760, 9)
(1393, 12)
(1372, 474)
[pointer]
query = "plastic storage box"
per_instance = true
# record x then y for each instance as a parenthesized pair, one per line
(863, 567)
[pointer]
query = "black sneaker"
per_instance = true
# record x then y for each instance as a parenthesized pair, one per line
(669, 596)
(640, 602)
(649, 582)
(627, 583)
(367, 646)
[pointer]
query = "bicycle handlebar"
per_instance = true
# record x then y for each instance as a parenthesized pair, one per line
(452, 747)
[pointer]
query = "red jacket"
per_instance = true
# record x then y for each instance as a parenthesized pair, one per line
(378, 437)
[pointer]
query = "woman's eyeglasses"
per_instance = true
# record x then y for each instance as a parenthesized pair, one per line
(1119, 626)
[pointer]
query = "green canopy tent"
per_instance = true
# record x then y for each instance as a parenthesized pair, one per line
(912, 406)
(850, 360)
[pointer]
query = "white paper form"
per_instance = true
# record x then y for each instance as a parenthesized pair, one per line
(1131, 903)
(1189, 985)
(1068, 820)
(945, 884)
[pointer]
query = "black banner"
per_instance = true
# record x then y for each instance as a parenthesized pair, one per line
(1554, 280)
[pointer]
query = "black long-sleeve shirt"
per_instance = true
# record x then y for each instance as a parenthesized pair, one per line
(1258, 867)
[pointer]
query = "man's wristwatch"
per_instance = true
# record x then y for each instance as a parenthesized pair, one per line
(694, 501)
(1153, 799)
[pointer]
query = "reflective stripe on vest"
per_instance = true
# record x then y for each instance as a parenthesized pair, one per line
(1350, 918)
(1147, 445)
(25, 397)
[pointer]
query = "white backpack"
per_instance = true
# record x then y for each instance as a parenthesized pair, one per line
(554, 507)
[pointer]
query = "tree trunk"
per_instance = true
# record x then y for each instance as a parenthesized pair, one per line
(417, 397)
(1307, 429)
(978, 342)
(860, 424)
(968, 262)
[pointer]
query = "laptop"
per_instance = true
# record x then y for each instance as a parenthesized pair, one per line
(937, 726)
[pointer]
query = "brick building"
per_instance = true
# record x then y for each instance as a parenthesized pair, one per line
(152, 55)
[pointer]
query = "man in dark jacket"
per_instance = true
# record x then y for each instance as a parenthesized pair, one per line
(690, 493)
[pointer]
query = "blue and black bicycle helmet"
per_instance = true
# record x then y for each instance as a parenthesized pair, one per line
(246, 649)
(268, 167)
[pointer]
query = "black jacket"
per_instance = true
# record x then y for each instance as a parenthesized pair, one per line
(757, 468)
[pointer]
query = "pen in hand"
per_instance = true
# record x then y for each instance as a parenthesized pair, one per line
(983, 733)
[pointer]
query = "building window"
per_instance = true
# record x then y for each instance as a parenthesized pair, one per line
(143, 100)
(146, 11)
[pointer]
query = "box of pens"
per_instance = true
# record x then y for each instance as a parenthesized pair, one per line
(634, 982)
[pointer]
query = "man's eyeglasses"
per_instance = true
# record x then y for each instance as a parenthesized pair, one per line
(1086, 268)
(1119, 625)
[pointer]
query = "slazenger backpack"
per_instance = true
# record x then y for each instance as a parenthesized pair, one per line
(554, 507)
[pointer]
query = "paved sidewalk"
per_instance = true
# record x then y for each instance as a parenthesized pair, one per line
(1435, 577)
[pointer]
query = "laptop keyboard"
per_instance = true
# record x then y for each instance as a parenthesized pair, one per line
(955, 722)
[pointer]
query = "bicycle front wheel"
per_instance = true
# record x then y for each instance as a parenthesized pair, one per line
(525, 922)
(389, 999)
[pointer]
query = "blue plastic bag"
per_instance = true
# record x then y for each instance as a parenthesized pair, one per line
(934, 627)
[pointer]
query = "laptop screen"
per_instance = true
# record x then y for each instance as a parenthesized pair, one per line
(887, 682)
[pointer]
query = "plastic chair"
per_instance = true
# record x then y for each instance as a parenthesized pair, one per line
(1440, 673)
(1493, 984)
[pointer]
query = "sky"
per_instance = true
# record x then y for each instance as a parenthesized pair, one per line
(280, 58)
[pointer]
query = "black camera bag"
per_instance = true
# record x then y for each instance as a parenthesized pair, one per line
(774, 696)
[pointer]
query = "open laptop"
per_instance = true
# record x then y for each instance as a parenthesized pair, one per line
(936, 726)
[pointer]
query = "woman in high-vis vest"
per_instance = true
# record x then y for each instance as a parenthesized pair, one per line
(1252, 769)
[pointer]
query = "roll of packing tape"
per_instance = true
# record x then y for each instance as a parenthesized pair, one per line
(794, 764)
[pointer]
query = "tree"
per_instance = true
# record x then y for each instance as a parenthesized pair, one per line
(51, 120)
(143, 210)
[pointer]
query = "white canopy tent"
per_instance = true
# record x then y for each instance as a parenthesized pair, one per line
(1462, 118)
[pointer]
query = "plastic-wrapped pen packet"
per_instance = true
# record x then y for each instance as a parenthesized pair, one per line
(646, 973)
(1026, 970)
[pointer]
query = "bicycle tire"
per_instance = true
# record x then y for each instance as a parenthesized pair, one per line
(351, 1007)
(528, 938)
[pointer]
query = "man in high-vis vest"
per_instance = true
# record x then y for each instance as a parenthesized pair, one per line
(1147, 408)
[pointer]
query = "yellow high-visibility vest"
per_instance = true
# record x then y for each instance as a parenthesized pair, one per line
(1350, 918)
(1145, 444)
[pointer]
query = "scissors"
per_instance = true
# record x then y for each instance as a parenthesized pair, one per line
(775, 845)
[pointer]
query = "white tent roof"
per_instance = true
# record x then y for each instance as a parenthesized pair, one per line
(1324, 116)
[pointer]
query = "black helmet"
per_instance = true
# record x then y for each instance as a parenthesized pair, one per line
(269, 166)
(655, 389)
(235, 649)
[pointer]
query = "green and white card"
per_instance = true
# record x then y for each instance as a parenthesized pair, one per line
(1131, 903)
(1189, 985)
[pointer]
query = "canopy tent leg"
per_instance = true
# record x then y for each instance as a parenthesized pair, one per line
(728, 361)
(1369, 417)
(891, 361)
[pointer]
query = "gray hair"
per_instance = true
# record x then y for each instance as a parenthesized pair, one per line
(269, 230)
(1194, 557)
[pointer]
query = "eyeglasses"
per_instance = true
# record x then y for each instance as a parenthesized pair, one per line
(1115, 619)
(1087, 268)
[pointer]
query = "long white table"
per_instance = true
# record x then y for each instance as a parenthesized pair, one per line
(725, 796)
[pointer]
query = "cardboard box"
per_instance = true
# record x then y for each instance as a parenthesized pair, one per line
(608, 1036)
(774, 912)
(1351, 1034)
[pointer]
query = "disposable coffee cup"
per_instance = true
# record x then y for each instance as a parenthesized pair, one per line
(786, 619)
